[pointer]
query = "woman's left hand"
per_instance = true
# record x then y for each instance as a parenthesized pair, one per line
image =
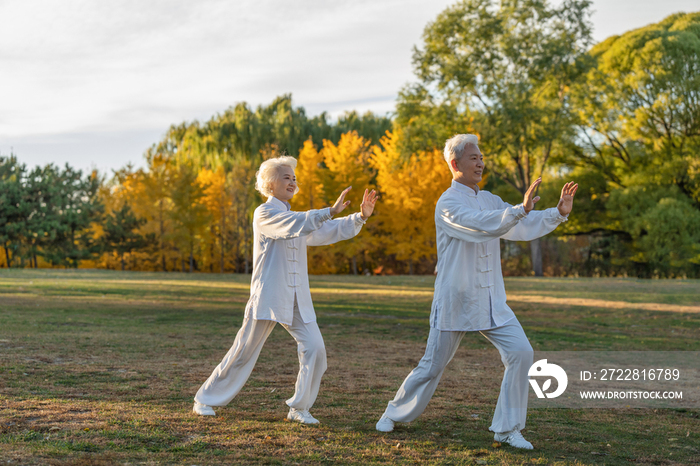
(367, 206)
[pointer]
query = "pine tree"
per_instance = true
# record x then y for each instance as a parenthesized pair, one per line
(120, 233)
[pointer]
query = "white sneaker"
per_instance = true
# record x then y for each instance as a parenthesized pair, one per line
(513, 438)
(384, 424)
(203, 410)
(302, 416)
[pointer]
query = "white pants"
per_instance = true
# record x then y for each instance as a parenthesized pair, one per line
(232, 373)
(516, 354)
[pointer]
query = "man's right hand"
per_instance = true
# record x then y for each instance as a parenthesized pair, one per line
(528, 201)
(341, 203)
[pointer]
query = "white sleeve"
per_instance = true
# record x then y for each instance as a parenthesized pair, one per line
(336, 230)
(278, 224)
(477, 226)
(536, 224)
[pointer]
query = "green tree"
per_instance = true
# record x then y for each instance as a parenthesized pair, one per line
(503, 70)
(640, 105)
(69, 205)
(13, 205)
(120, 233)
(639, 138)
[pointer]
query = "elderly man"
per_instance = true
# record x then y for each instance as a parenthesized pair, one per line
(469, 291)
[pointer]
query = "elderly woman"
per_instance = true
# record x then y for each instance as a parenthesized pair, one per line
(279, 290)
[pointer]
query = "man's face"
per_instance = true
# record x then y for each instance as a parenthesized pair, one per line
(471, 165)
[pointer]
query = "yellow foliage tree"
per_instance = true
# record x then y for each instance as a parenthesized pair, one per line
(410, 190)
(218, 203)
(241, 179)
(348, 165)
(124, 189)
(310, 176)
(155, 203)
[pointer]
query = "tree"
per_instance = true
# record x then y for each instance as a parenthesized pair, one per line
(639, 136)
(241, 178)
(154, 198)
(310, 175)
(504, 69)
(68, 211)
(640, 104)
(120, 233)
(348, 165)
(13, 205)
(218, 201)
(188, 213)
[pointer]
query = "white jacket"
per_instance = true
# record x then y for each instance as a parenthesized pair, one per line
(279, 257)
(469, 289)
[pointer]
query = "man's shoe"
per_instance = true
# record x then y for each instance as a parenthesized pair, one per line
(203, 410)
(513, 438)
(384, 424)
(302, 416)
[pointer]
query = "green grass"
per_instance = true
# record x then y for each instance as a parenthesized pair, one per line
(99, 367)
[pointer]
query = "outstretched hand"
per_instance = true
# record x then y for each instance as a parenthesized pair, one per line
(566, 201)
(528, 201)
(341, 203)
(367, 206)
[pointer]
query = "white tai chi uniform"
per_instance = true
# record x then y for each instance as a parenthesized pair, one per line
(279, 292)
(470, 296)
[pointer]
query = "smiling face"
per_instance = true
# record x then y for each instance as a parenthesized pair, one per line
(469, 168)
(285, 186)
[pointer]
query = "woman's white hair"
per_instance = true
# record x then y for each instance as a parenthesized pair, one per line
(454, 147)
(269, 173)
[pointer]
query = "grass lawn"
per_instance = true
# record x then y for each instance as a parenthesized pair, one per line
(100, 367)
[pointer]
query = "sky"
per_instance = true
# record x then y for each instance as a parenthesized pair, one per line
(95, 83)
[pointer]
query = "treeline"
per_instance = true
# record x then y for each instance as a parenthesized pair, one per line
(47, 213)
(190, 208)
(176, 215)
(622, 118)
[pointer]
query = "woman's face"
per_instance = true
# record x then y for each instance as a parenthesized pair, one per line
(286, 184)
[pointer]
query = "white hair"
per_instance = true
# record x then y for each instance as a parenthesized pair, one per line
(269, 173)
(454, 147)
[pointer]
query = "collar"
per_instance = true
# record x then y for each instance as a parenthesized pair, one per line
(281, 204)
(465, 189)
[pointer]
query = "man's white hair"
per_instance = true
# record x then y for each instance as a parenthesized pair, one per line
(269, 173)
(454, 147)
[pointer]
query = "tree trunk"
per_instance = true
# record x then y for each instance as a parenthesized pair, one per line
(222, 232)
(191, 262)
(122, 260)
(36, 262)
(182, 264)
(410, 266)
(354, 265)
(7, 256)
(536, 256)
(245, 249)
(162, 233)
